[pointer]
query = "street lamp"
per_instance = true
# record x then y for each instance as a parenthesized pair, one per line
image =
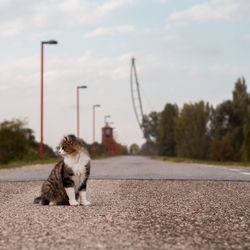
(77, 108)
(93, 146)
(42, 44)
(105, 119)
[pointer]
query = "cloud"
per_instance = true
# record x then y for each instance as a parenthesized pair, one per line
(15, 17)
(10, 28)
(246, 37)
(168, 38)
(102, 31)
(160, 1)
(228, 10)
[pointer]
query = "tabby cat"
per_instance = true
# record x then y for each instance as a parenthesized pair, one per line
(67, 182)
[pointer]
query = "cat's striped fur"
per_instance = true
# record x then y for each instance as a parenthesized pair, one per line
(67, 182)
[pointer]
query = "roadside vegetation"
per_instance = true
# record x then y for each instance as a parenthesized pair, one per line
(202, 132)
(18, 146)
(186, 160)
(20, 163)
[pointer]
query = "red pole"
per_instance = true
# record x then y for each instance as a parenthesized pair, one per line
(93, 146)
(77, 112)
(41, 142)
(104, 140)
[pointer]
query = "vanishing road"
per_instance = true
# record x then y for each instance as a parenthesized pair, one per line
(137, 203)
(136, 168)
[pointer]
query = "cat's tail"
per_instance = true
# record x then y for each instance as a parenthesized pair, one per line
(38, 199)
(41, 200)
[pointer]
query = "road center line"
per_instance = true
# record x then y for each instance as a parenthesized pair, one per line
(235, 170)
(246, 173)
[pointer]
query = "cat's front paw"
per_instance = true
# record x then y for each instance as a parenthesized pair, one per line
(73, 203)
(85, 203)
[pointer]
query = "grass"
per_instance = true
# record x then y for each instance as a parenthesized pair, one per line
(185, 160)
(14, 164)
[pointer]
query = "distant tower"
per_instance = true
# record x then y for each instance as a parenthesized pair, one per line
(108, 140)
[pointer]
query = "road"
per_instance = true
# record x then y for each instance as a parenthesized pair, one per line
(129, 214)
(137, 204)
(136, 167)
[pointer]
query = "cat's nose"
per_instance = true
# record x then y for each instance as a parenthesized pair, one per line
(61, 151)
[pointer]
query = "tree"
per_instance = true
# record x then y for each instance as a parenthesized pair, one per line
(151, 124)
(246, 143)
(166, 142)
(192, 131)
(241, 115)
(134, 149)
(230, 124)
(17, 142)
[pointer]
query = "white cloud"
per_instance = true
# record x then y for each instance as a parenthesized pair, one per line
(102, 31)
(10, 28)
(246, 37)
(229, 10)
(168, 38)
(160, 1)
(15, 17)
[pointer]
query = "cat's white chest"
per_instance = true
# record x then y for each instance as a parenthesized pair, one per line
(77, 164)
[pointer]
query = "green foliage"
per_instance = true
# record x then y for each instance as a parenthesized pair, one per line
(229, 120)
(14, 140)
(151, 124)
(222, 150)
(17, 142)
(166, 142)
(246, 143)
(151, 133)
(149, 148)
(122, 149)
(134, 149)
(192, 131)
(202, 132)
(99, 149)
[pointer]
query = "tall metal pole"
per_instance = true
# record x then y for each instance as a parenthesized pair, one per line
(42, 44)
(77, 112)
(93, 146)
(41, 141)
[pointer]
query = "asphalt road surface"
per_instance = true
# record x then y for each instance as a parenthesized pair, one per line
(136, 167)
(129, 214)
(137, 203)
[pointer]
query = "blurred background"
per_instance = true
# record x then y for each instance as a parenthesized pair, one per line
(192, 62)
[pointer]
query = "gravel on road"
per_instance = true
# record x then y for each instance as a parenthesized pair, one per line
(130, 214)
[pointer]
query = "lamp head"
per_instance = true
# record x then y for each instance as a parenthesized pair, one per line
(82, 87)
(50, 42)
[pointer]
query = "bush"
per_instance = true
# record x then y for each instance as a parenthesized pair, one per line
(17, 142)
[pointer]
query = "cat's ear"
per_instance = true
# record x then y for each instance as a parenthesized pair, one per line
(65, 138)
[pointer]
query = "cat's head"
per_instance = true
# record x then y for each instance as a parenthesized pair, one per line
(69, 145)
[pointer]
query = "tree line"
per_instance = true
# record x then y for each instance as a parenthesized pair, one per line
(201, 131)
(17, 142)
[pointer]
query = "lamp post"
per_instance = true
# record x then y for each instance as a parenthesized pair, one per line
(77, 109)
(93, 146)
(42, 44)
(105, 119)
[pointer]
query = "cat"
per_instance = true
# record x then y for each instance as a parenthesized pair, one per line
(67, 182)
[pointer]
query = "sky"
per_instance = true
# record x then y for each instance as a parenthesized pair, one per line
(185, 51)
